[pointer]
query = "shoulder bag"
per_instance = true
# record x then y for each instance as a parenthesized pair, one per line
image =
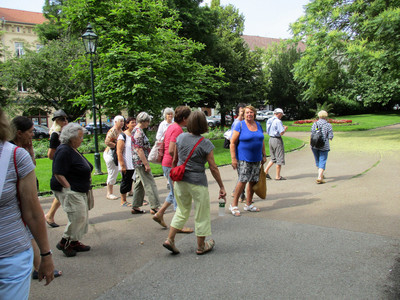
(260, 188)
(157, 152)
(176, 173)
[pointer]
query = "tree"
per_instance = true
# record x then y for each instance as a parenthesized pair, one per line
(143, 64)
(49, 77)
(243, 75)
(283, 90)
(352, 54)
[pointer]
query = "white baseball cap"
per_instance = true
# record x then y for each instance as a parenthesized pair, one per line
(278, 111)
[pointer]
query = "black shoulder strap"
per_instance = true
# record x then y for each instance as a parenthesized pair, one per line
(123, 135)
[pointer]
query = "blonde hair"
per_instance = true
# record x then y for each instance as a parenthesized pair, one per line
(322, 114)
(55, 127)
(251, 108)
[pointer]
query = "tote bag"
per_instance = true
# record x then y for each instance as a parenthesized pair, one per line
(260, 188)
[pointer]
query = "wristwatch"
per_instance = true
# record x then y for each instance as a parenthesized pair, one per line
(46, 254)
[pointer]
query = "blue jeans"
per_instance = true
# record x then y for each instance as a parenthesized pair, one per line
(15, 275)
(320, 158)
(171, 197)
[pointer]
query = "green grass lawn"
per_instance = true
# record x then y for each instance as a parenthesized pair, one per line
(360, 122)
(222, 156)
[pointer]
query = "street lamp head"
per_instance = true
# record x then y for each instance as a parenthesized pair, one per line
(89, 39)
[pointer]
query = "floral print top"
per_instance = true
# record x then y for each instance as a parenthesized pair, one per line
(139, 140)
(112, 136)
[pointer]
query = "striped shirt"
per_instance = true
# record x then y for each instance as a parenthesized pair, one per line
(327, 132)
(14, 237)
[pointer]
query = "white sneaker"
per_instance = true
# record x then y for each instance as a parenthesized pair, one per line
(112, 197)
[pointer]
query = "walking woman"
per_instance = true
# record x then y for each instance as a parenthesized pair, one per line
(19, 205)
(22, 132)
(247, 153)
(145, 183)
(194, 185)
(59, 121)
(111, 143)
(70, 183)
(321, 154)
(181, 118)
(125, 163)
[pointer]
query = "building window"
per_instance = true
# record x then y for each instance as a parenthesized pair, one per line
(19, 49)
(17, 28)
(21, 87)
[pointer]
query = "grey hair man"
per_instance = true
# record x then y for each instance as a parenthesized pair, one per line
(276, 130)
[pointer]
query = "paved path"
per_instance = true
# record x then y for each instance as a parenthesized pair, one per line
(339, 240)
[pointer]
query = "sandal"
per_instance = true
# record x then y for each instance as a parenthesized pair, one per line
(185, 230)
(251, 208)
(145, 202)
(153, 211)
(127, 204)
(170, 245)
(208, 246)
(234, 210)
(160, 220)
(135, 211)
(280, 178)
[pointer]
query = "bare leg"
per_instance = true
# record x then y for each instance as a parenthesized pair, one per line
(269, 165)
(238, 191)
(170, 241)
(278, 171)
(250, 193)
(110, 189)
(159, 216)
(320, 174)
(123, 198)
(51, 213)
(200, 242)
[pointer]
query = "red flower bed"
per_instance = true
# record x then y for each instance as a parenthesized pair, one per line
(332, 121)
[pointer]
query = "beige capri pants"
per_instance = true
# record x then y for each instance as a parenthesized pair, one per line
(184, 194)
(76, 207)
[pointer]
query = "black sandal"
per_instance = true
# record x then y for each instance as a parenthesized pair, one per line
(153, 211)
(135, 211)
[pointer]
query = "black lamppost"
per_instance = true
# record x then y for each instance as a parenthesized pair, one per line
(89, 39)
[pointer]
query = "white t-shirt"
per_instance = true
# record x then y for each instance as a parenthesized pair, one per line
(127, 153)
(161, 129)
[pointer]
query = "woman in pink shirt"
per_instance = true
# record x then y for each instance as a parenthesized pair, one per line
(173, 131)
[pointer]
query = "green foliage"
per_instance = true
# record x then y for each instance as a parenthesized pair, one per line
(283, 90)
(352, 52)
(141, 57)
(48, 75)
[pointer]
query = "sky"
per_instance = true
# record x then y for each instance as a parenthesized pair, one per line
(266, 18)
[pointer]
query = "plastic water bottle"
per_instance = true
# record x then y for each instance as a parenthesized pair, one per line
(221, 209)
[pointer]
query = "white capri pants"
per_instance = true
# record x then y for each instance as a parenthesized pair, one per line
(112, 169)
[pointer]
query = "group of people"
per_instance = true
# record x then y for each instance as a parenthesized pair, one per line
(22, 220)
(248, 154)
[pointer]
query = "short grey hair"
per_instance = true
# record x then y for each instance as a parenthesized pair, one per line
(118, 118)
(69, 132)
(168, 111)
(143, 117)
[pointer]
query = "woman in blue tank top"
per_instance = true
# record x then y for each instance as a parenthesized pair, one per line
(247, 152)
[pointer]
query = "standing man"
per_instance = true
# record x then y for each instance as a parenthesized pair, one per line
(275, 130)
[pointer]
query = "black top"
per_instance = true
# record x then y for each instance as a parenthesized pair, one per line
(54, 140)
(74, 167)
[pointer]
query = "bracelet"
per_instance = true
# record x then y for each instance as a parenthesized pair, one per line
(46, 254)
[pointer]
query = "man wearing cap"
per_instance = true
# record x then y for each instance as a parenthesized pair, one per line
(275, 130)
